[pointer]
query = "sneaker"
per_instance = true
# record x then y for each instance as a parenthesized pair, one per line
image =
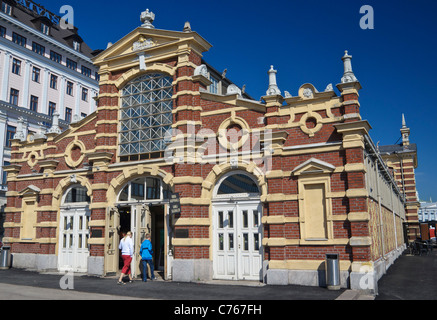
(121, 283)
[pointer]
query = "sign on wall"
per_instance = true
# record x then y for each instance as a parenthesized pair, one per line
(175, 204)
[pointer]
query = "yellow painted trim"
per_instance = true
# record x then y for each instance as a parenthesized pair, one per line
(193, 222)
(305, 265)
(192, 242)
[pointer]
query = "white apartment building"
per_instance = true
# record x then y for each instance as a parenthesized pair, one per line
(428, 212)
(44, 70)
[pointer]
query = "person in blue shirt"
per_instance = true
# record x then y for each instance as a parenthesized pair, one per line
(146, 258)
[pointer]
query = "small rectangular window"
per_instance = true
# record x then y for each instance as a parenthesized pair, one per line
(52, 108)
(221, 242)
(56, 57)
(18, 39)
(16, 66)
(86, 71)
(245, 219)
(36, 72)
(6, 8)
(213, 87)
(71, 64)
(68, 114)
(2, 32)
(10, 133)
(153, 189)
(34, 103)
(246, 242)
(69, 88)
(45, 29)
(54, 82)
(37, 48)
(84, 94)
(76, 46)
(5, 174)
(231, 219)
(221, 219)
(256, 242)
(13, 99)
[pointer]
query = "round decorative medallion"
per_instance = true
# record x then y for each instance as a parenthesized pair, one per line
(311, 123)
(74, 153)
(233, 133)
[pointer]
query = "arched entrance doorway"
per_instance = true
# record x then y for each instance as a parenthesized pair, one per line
(142, 206)
(74, 230)
(237, 229)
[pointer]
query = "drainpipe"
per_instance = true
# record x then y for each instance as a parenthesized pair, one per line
(394, 220)
(381, 224)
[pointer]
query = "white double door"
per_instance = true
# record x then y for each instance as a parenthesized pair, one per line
(238, 241)
(73, 242)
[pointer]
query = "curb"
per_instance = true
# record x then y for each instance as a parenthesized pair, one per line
(354, 295)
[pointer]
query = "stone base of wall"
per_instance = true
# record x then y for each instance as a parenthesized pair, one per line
(310, 278)
(192, 270)
(38, 262)
(96, 266)
(367, 279)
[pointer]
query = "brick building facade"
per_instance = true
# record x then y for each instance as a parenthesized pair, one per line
(266, 188)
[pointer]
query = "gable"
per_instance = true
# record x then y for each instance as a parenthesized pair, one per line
(30, 191)
(154, 42)
(313, 166)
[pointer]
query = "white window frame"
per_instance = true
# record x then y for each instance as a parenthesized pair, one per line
(45, 29)
(145, 200)
(221, 197)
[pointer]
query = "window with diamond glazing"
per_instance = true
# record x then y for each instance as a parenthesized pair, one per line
(146, 116)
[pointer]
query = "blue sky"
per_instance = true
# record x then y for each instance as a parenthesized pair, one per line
(305, 40)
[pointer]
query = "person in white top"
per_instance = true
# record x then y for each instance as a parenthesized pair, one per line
(127, 252)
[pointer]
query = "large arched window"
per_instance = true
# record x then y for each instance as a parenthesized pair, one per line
(146, 116)
(236, 184)
(76, 194)
(144, 189)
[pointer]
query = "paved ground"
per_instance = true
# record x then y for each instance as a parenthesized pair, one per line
(160, 290)
(410, 278)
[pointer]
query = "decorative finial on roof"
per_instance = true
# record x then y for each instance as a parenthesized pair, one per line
(273, 87)
(55, 124)
(20, 130)
(348, 73)
(147, 18)
(187, 27)
(405, 131)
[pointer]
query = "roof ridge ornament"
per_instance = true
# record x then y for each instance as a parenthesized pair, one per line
(273, 87)
(187, 27)
(147, 18)
(20, 130)
(405, 131)
(348, 73)
(55, 124)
